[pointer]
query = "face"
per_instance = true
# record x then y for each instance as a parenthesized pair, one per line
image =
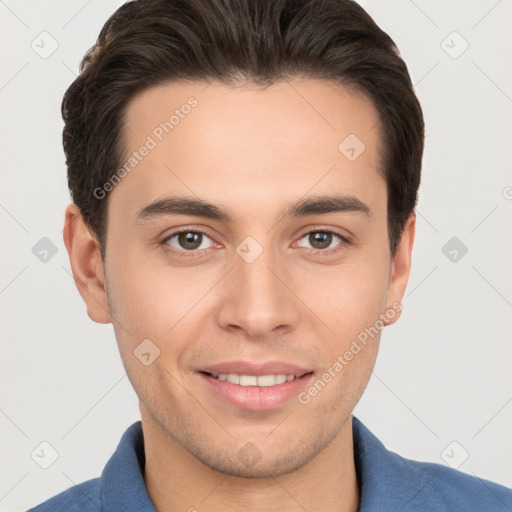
(280, 274)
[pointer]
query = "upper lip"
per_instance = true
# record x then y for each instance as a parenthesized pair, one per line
(251, 368)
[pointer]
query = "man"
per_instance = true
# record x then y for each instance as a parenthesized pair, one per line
(244, 175)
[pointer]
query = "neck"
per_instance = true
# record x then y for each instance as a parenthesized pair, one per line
(176, 480)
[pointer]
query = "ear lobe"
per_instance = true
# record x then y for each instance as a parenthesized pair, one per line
(86, 265)
(401, 269)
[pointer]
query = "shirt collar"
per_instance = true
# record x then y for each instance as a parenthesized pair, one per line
(384, 477)
(122, 487)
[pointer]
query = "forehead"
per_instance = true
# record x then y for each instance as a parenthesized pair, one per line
(249, 146)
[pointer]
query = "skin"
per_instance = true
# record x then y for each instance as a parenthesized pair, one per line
(252, 151)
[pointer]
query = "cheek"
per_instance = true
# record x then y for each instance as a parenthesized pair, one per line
(154, 303)
(146, 301)
(350, 297)
(146, 312)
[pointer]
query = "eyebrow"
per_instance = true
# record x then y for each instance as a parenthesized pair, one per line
(315, 205)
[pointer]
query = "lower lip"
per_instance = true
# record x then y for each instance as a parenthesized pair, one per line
(256, 398)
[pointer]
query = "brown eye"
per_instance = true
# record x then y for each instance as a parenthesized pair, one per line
(322, 240)
(188, 241)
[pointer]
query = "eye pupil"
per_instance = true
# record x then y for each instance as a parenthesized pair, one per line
(324, 239)
(186, 238)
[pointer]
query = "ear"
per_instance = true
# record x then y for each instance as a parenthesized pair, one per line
(400, 269)
(86, 264)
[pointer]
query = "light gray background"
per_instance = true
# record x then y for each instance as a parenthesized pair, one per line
(444, 371)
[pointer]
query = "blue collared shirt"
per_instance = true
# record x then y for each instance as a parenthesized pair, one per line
(388, 483)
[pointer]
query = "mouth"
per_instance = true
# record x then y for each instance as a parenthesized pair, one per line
(262, 392)
(255, 380)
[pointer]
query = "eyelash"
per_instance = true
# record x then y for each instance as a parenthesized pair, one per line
(195, 253)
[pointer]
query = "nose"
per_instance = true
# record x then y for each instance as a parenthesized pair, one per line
(258, 298)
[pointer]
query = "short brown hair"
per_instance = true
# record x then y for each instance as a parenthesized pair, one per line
(150, 42)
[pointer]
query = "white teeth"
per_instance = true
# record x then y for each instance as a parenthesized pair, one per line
(248, 380)
(266, 380)
(233, 378)
(280, 379)
(253, 380)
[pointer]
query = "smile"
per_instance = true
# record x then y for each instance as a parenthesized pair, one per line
(255, 392)
(254, 380)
